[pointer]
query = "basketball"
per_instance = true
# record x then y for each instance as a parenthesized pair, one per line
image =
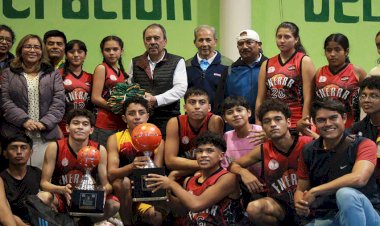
(146, 137)
(88, 157)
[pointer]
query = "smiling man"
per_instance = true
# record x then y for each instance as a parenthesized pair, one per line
(336, 182)
(279, 157)
(204, 70)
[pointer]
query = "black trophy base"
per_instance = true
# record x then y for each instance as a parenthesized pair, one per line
(87, 203)
(140, 191)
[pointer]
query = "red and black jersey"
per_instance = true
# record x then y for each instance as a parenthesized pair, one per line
(280, 169)
(67, 169)
(225, 212)
(106, 119)
(284, 82)
(343, 86)
(187, 135)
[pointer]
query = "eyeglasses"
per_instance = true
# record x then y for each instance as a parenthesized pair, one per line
(30, 47)
(6, 39)
(370, 97)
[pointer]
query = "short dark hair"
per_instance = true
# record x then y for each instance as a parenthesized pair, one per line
(215, 139)
(372, 82)
(273, 105)
(80, 112)
(21, 137)
(4, 27)
(155, 25)
(197, 92)
(55, 33)
(329, 104)
(234, 101)
(136, 100)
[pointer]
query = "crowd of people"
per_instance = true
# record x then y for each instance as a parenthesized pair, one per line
(261, 141)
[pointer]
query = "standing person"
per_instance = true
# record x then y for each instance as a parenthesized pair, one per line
(183, 130)
(32, 96)
(242, 78)
(61, 171)
(76, 81)
(212, 195)
(106, 76)
(204, 70)
(161, 74)
(279, 156)
(336, 181)
(289, 76)
(123, 158)
(376, 70)
(7, 38)
(340, 79)
(19, 178)
(55, 42)
(369, 126)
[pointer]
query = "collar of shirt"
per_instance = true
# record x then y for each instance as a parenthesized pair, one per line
(210, 60)
(152, 64)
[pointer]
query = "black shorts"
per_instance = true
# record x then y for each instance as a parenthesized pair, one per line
(291, 218)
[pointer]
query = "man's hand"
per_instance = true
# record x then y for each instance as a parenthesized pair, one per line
(256, 136)
(66, 191)
(309, 197)
(140, 162)
(302, 207)
(157, 182)
(152, 101)
(253, 184)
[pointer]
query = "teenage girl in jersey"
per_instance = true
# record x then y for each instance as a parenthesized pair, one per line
(289, 76)
(340, 79)
(106, 76)
(76, 81)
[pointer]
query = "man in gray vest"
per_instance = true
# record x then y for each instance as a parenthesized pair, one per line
(161, 74)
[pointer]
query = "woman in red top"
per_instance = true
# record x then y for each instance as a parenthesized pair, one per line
(76, 81)
(340, 79)
(288, 76)
(106, 76)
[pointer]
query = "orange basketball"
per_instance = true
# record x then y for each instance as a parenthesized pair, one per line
(146, 137)
(88, 157)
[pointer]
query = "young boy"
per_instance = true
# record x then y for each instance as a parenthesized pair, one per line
(122, 160)
(61, 171)
(279, 156)
(181, 131)
(19, 178)
(213, 194)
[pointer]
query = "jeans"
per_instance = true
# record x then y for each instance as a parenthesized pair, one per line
(354, 209)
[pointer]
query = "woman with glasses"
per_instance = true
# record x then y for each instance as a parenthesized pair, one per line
(7, 37)
(32, 96)
(340, 79)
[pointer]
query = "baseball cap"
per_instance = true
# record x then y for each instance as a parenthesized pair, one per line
(248, 34)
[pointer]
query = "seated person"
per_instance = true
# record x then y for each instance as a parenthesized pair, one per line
(212, 194)
(6, 216)
(19, 178)
(61, 171)
(122, 160)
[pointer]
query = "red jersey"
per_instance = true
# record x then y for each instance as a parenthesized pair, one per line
(225, 212)
(187, 135)
(280, 169)
(284, 82)
(343, 86)
(67, 169)
(106, 119)
(77, 93)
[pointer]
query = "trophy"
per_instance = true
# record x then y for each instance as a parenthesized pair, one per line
(146, 137)
(87, 199)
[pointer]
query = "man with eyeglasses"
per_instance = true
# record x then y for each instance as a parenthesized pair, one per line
(336, 180)
(242, 77)
(55, 42)
(7, 37)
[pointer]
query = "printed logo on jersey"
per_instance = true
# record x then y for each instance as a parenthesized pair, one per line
(65, 162)
(67, 82)
(322, 78)
(333, 90)
(345, 78)
(291, 68)
(78, 97)
(72, 177)
(113, 77)
(288, 182)
(271, 69)
(273, 164)
(185, 140)
(277, 85)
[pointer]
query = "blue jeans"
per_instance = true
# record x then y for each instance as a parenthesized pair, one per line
(354, 209)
